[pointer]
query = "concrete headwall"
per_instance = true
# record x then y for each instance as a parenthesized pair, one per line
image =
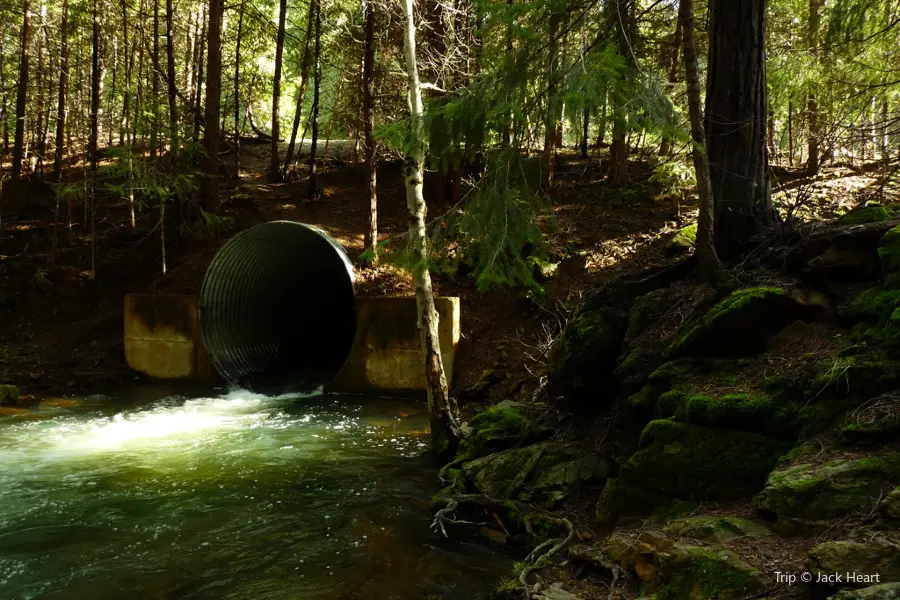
(162, 340)
(162, 337)
(387, 351)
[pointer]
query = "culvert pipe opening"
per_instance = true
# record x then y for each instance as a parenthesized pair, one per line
(277, 310)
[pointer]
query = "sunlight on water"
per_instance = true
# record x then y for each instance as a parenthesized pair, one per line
(237, 496)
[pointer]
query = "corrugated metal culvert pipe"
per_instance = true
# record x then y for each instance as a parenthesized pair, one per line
(277, 310)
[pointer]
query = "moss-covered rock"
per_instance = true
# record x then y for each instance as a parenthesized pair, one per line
(740, 412)
(683, 461)
(502, 426)
(878, 431)
(542, 473)
(890, 507)
(715, 528)
(739, 325)
(803, 496)
(889, 252)
(9, 394)
(669, 403)
(701, 573)
(683, 240)
(872, 213)
(582, 360)
(633, 367)
(884, 591)
(879, 558)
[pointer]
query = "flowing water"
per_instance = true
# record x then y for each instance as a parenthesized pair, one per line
(236, 497)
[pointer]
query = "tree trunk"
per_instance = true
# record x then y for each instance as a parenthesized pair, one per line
(666, 147)
(301, 93)
(125, 107)
(705, 249)
(619, 18)
(444, 430)
(790, 132)
(170, 72)
(38, 142)
(22, 94)
(115, 77)
(735, 123)
(139, 99)
(312, 190)
(371, 241)
(551, 118)
(586, 126)
(96, 88)
(275, 163)
(154, 126)
(198, 107)
(812, 107)
(62, 107)
(213, 103)
(237, 94)
(3, 114)
(187, 75)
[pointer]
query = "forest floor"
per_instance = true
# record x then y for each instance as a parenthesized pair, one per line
(61, 330)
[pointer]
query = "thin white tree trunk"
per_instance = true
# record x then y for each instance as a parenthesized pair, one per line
(444, 429)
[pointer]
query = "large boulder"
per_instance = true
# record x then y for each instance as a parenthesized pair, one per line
(9, 394)
(876, 311)
(700, 573)
(501, 426)
(884, 591)
(857, 563)
(889, 254)
(869, 213)
(543, 473)
(741, 324)
(642, 353)
(582, 359)
(688, 462)
(709, 528)
(804, 497)
(890, 507)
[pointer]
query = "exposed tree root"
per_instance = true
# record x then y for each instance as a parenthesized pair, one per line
(542, 559)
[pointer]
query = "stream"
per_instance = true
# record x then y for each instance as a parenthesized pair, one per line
(241, 496)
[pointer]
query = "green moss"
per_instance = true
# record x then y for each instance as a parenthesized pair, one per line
(685, 237)
(700, 573)
(738, 325)
(683, 461)
(502, 426)
(878, 431)
(715, 528)
(889, 252)
(829, 490)
(672, 372)
(669, 403)
(582, 360)
(867, 214)
(9, 394)
(498, 475)
(875, 305)
(631, 371)
(732, 411)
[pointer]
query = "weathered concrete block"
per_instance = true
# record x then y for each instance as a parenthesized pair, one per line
(162, 337)
(387, 352)
(162, 340)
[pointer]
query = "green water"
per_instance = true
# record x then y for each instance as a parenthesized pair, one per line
(241, 496)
